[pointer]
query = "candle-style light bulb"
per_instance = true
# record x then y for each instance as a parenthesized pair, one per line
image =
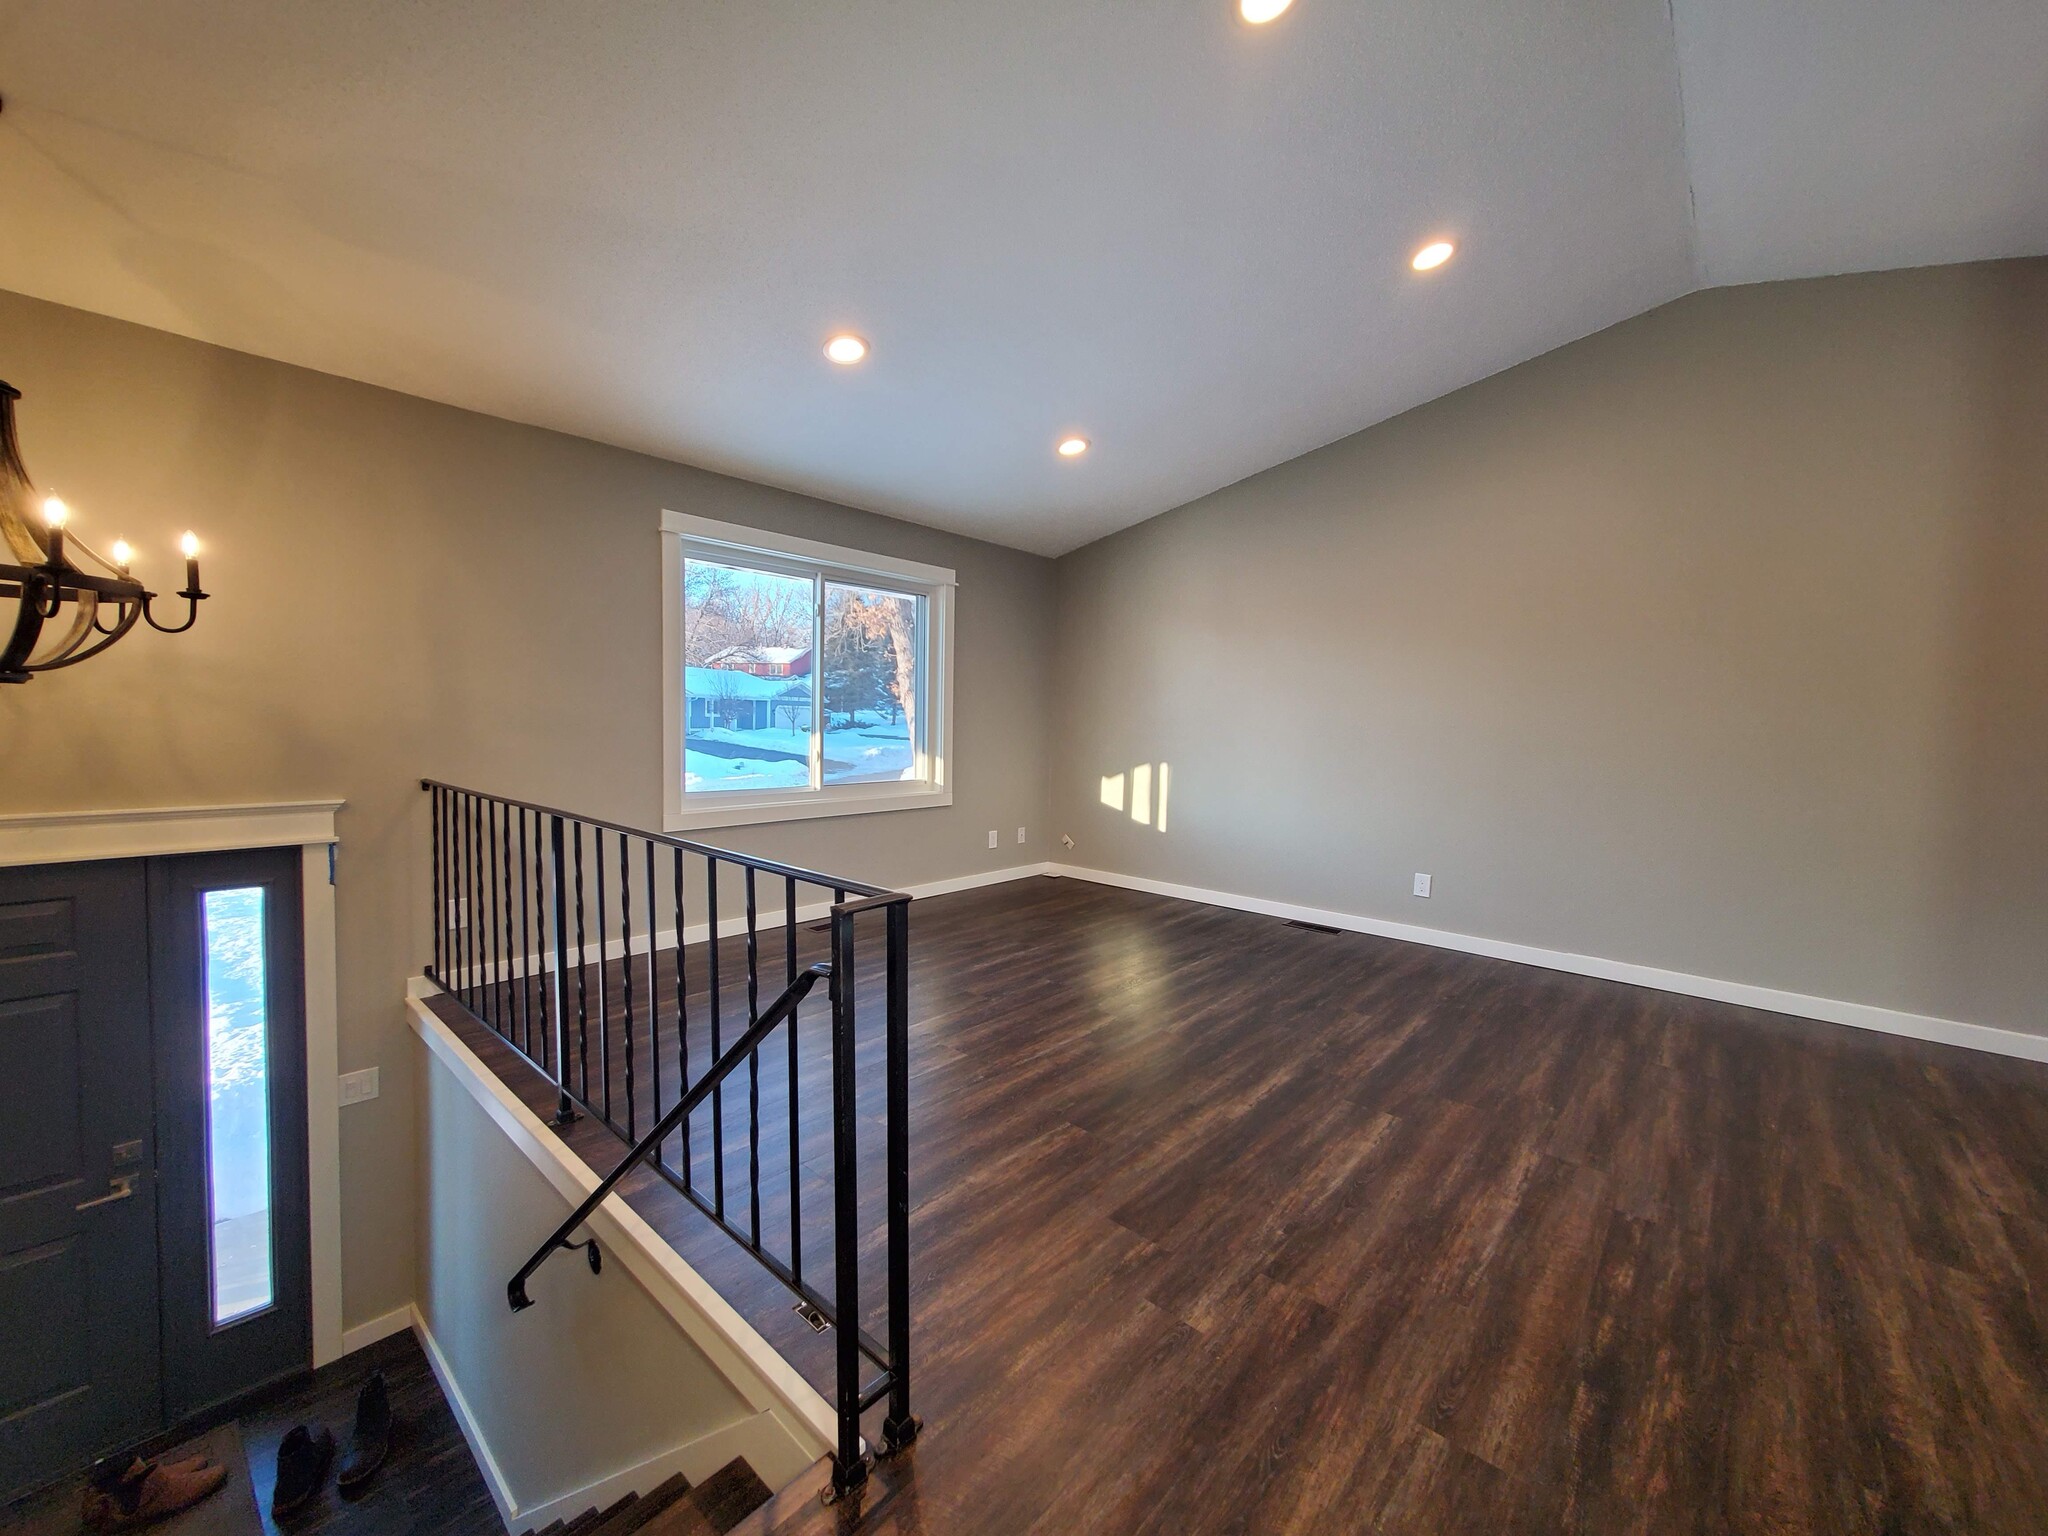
(122, 553)
(190, 545)
(55, 516)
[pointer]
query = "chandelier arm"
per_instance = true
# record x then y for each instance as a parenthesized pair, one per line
(121, 622)
(191, 613)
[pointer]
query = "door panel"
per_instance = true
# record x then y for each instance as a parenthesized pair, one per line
(231, 1116)
(39, 1060)
(78, 1257)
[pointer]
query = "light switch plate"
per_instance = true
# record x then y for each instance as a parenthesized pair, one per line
(358, 1086)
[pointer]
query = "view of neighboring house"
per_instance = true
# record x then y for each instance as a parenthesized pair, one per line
(755, 704)
(763, 660)
(736, 698)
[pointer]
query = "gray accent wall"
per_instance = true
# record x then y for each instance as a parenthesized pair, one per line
(1716, 642)
(404, 589)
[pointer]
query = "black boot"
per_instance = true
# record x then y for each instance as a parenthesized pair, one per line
(301, 1468)
(371, 1442)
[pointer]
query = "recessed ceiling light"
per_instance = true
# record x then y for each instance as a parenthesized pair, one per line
(845, 349)
(1072, 447)
(1259, 12)
(1433, 255)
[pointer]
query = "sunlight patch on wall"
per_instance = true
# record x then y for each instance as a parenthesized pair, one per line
(1113, 791)
(1148, 787)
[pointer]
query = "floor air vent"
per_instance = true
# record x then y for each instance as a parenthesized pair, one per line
(1295, 922)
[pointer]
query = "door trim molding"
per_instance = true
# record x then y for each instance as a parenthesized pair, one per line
(65, 837)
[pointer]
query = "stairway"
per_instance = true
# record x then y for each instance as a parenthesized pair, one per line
(712, 1508)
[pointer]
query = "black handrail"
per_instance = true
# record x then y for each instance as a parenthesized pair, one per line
(723, 855)
(509, 962)
(742, 1048)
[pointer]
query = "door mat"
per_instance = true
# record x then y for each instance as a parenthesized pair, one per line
(230, 1512)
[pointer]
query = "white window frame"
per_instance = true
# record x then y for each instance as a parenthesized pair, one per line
(686, 536)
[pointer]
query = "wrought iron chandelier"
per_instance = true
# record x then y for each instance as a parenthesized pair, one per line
(56, 569)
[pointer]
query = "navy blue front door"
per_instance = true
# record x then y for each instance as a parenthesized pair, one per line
(79, 1356)
(154, 1244)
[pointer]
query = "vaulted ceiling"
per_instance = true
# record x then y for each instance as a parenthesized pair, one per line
(1145, 222)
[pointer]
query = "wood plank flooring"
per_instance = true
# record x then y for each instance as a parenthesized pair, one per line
(1225, 1226)
(429, 1487)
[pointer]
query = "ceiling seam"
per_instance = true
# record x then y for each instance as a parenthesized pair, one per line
(1692, 196)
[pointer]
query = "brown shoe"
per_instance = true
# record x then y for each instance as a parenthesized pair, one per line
(147, 1491)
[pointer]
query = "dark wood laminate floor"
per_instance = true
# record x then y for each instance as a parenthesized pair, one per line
(1222, 1225)
(429, 1487)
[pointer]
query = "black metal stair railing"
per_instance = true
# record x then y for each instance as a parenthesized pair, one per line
(524, 937)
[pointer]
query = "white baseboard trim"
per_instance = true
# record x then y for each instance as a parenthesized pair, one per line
(466, 1421)
(975, 882)
(1890, 1021)
(377, 1329)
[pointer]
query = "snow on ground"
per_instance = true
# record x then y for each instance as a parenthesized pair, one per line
(870, 751)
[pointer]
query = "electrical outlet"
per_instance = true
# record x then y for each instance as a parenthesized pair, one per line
(358, 1086)
(992, 839)
(1020, 834)
(1422, 885)
(458, 912)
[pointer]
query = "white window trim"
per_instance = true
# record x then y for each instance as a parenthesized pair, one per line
(734, 808)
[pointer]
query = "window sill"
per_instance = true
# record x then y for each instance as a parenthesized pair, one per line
(855, 800)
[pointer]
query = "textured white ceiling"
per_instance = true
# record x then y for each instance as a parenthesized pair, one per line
(1849, 135)
(1142, 221)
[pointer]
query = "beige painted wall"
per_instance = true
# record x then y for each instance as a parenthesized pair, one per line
(623, 1384)
(1717, 642)
(405, 589)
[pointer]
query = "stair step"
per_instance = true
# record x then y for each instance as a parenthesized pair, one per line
(681, 1518)
(730, 1494)
(790, 1504)
(643, 1510)
(591, 1519)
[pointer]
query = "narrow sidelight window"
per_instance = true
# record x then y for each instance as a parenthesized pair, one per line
(238, 1102)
